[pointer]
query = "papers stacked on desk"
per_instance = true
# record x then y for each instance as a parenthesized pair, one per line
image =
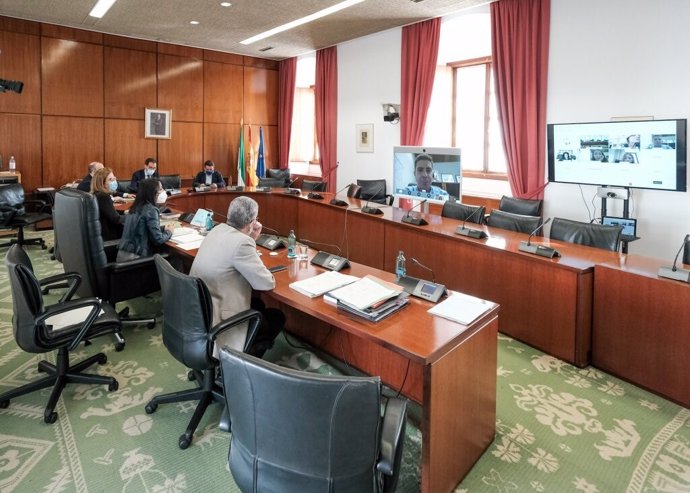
(461, 308)
(318, 285)
(187, 238)
(369, 298)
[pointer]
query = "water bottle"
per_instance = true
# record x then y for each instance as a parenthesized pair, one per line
(209, 222)
(13, 163)
(292, 244)
(400, 269)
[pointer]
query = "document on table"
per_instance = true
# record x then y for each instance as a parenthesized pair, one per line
(318, 285)
(365, 292)
(461, 308)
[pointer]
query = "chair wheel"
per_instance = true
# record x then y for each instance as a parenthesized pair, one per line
(191, 376)
(4, 404)
(184, 441)
(43, 247)
(113, 386)
(50, 417)
(150, 325)
(151, 408)
(119, 346)
(102, 359)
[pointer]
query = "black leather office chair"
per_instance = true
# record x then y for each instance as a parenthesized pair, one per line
(589, 234)
(13, 214)
(513, 222)
(463, 212)
(123, 186)
(277, 178)
(373, 191)
(37, 330)
(526, 207)
(686, 253)
(170, 182)
(313, 186)
(189, 337)
(82, 250)
(294, 431)
(353, 190)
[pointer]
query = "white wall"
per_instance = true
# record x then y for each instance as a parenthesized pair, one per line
(613, 58)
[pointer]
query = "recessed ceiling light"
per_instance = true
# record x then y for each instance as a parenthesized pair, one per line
(194, 22)
(225, 4)
(312, 17)
(101, 7)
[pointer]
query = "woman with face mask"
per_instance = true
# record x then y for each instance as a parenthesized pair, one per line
(143, 231)
(103, 187)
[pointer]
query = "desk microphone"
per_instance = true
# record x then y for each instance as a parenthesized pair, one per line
(373, 210)
(271, 242)
(293, 191)
(541, 250)
(416, 220)
(310, 242)
(417, 262)
(338, 202)
(472, 233)
(674, 272)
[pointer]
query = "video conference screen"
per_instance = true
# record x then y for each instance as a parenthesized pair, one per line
(432, 173)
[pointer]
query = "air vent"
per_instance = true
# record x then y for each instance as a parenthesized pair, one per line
(267, 48)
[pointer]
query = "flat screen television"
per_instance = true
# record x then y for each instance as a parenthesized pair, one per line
(636, 154)
(432, 173)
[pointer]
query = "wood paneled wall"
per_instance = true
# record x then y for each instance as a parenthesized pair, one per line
(85, 94)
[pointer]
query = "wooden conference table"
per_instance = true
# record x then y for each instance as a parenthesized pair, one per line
(448, 368)
(546, 303)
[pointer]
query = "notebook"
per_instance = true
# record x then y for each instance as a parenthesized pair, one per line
(629, 226)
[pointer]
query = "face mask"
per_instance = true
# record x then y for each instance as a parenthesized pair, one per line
(148, 172)
(162, 197)
(113, 186)
(209, 173)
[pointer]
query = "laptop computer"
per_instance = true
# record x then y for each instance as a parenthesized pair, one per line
(629, 224)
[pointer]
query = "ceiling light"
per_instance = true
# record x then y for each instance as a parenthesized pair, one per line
(194, 22)
(303, 20)
(225, 4)
(101, 7)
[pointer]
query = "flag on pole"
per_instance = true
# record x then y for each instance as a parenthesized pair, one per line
(240, 157)
(260, 162)
(252, 179)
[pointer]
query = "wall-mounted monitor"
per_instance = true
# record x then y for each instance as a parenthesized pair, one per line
(432, 173)
(636, 154)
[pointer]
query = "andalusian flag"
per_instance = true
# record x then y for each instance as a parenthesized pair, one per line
(260, 162)
(240, 157)
(252, 179)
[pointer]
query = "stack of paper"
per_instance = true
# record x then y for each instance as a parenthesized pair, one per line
(187, 238)
(369, 298)
(461, 308)
(318, 285)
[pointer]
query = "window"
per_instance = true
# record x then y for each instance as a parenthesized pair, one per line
(304, 150)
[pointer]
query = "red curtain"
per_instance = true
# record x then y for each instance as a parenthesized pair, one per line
(520, 44)
(419, 54)
(326, 108)
(287, 70)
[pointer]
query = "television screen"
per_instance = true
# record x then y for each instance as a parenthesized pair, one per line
(636, 154)
(432, 173)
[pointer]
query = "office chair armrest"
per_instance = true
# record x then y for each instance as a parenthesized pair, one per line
(41, 205)
(252, 316)
(392, 436)
(73, 281)
(136, 263)
(67, 306)
(110, 249)
(389, 199)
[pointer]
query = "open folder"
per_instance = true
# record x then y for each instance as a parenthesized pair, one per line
(318, 285)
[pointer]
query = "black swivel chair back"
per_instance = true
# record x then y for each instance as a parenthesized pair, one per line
(686, 253)
(13, 214)
(513, 222)
(463, 212)
(295, 431)
(589, 234)
(526, 207)
(374, 191)
(189, 337)
(123, 186)
(82, 250)
(171, 182)
(34, 332)
(278, 178)
(313, 186)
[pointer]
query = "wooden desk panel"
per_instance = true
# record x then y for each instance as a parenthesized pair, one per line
(641, 329)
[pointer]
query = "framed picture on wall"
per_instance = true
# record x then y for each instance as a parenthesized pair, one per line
(365, 137)
(157, 123)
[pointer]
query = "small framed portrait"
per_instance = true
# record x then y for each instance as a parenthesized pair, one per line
(365, 137)
(157, 123)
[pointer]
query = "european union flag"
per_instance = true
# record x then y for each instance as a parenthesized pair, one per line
(260, 162)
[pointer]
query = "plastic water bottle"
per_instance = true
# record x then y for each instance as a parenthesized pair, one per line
(292, 244)
(209, 222)
(400, 269)
(13, 163)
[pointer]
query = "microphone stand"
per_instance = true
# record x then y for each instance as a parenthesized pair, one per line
(417, 262)
(416, 220)
(373, 210)
(674, 272)
(541, 250)
(471, 233)
(338, 202)
(293, 191)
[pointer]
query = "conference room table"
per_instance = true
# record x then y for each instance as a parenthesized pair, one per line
(447, 367)
(545, 302)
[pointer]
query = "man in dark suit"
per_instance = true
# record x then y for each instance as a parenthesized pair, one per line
(209, 176)
(85, 184)
(150, 171)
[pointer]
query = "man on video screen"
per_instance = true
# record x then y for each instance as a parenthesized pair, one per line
(423, 173)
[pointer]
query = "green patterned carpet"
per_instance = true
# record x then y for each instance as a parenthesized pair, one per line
(558, 429)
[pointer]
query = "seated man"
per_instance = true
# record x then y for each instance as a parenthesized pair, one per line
(150, 171)
(85, 184)
(227, 261)
(423, 173)
(209, 176)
